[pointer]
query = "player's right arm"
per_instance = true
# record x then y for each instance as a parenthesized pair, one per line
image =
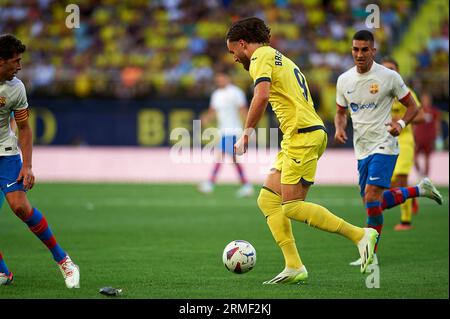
(340, 122)
(261, 72)
(340, 119)
(21, 115)
(257, 108)
(26, 146)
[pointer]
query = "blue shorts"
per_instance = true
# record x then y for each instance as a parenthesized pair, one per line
(376, 169)
(9, 171)
(227, 144)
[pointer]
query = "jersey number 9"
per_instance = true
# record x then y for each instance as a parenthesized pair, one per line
(302, 82)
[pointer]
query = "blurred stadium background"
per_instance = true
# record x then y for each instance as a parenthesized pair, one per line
(105, 98)
(134, 70)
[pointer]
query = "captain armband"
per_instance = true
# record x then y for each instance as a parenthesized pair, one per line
(21, 115)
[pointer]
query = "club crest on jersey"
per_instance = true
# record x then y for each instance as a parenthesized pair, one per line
(2, 101)
(374, 88)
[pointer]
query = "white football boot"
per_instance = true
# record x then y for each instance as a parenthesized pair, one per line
(366, 247)
(358, 261)
(289, 276)
(71, 273)
(5, 279)
(206, 187)
(427, 189)
(246, 190)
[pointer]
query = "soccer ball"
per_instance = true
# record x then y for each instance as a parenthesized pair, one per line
(239, 256)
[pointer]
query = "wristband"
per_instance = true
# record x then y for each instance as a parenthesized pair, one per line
(402, 123)
(249, 131)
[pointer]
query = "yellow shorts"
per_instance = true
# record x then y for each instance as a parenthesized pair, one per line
(405, 160)
(298, 157)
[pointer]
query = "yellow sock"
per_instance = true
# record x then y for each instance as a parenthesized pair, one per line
(280, 226)
(406, 210)
(320, 217)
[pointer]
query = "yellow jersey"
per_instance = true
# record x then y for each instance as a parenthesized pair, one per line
(398, 111)
(289, 93)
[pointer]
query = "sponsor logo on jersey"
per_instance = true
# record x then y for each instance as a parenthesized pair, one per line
(374, 88)
(355, 107)
(2, 101)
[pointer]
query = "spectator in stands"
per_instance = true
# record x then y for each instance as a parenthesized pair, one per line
(425, 134)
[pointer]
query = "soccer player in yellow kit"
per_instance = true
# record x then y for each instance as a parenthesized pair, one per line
(279, 81)
(406, 143)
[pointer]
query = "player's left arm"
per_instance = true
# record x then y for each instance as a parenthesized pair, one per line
(404, 95)
(257, 108)
(396, 127)
(26, 146)
(419, 118)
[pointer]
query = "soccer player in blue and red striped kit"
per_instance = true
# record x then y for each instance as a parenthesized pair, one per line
(16, 177)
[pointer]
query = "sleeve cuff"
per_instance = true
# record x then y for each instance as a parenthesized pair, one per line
(405, 97)
(263, 79)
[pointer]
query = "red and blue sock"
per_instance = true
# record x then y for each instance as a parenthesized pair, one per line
(3, 268)
(397, 196)
(38, 225)
(214, 173)
(375, 218)
(241, 173)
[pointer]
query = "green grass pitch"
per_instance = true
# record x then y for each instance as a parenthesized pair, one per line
(166, 242)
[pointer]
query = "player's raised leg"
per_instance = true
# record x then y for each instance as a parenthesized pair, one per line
(397, 196)
(401, 180)
(269, 201)
(38, 225)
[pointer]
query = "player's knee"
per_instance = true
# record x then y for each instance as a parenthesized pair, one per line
(262, 203)
(20, 210)
(371, 197)
(260, 200)
(373, 194)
